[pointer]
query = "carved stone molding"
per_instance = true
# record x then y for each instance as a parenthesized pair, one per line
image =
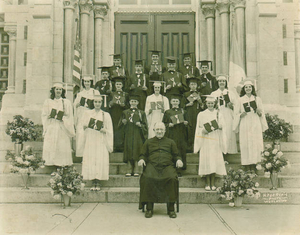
(100, 11)
(222, 7)
(70, 4)
(238, 3)
(85, 6)
(11, 31)
(208, 10)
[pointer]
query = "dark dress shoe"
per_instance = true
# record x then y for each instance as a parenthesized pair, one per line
(148, 214)
(172, 214)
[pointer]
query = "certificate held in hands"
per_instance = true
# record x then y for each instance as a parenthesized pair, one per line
(249, 105)
(95, 124)
(212, 126)
(177, 119)
(56, 114)
(87, 102)
(157, 105)
(224, 99)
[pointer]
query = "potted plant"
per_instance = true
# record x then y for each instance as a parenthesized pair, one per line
(66, 182)
(272, 163)
(26, 163)
(278, 130)
(237, 184)
(20, 130)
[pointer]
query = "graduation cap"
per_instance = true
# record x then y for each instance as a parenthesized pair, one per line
(134, 97)
(210, 98)
(222, 77)
(98, 97)
(136, 62)
(155, 52)
(88, 77)
(175, 96)
(207, 63)
(118, 79)
(105, 68)
(58, 85)
(117, 56)
(248, 82)
(192, 79)
(171, 59)
(187, 54)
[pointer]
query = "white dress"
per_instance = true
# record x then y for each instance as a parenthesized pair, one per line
(156, 115)
(79, 114)
(57, 134)
(230, 146)
(210, 155)
(251, 128)
(97, 147)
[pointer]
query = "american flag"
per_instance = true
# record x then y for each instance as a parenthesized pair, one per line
(77, 63)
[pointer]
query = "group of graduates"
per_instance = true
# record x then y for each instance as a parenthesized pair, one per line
(120, 111)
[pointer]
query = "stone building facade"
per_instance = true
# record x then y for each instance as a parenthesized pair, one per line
(38, 37)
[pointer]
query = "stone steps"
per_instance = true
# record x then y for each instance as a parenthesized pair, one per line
(131, 195)
(187, 181)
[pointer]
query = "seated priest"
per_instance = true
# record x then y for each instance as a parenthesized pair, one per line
(159, 182)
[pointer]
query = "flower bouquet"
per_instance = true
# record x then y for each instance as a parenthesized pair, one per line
(65, 183)
(237, 184)
(26, 163)
(21, 129)
(278, 129)
(272, 163)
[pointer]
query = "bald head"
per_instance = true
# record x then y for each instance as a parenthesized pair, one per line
(159, 129)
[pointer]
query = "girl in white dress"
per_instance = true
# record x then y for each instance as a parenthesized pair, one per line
(58, 128)
(98, 143)
(155, 115)
(226, 109)
(208, 144)
(250, 122)
(81, 105)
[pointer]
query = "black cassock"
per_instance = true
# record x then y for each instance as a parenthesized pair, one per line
(159, 182)
(104, 87)
(178, 132)
(209, 84)
(134, 136)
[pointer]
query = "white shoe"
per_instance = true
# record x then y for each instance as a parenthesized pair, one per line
(207, 188)
(213, 188)
(93, 189)
(97, 189)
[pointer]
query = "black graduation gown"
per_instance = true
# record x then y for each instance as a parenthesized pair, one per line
(139, 82)
(178, 132)
(118, 72)
(208, 84)
(134, 136)
(177, 77)
(159, 182)
(116, 111)
(188, 72)
(191, 116)
(104, 87)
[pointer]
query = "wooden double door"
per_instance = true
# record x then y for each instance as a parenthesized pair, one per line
(138, 33)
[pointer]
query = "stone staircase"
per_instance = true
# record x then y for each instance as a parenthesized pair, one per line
(126, 190)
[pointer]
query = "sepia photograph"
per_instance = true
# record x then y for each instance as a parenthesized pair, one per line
(135, 117)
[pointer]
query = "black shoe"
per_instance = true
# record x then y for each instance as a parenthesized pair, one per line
(172, 214)
(148, 214)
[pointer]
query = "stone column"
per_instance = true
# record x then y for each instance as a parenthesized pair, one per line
(223, 7)
(69, 7)
(100, 10)
(239, 8)
(85, 8)
(209, 13)
(297, 54)
(12, 32)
